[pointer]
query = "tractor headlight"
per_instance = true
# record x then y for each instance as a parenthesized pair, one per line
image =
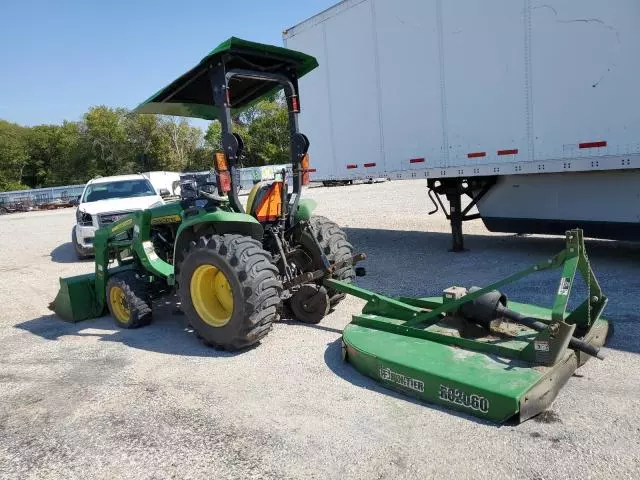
(84, 219)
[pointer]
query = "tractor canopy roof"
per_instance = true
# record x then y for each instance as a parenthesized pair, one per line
(190, 95)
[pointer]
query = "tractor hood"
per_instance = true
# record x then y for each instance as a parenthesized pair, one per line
(190, 95)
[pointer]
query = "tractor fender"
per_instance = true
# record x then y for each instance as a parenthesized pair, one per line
(218, 222)
(305, 209)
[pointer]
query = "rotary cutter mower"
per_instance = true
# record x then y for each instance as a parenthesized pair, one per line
(474, 351)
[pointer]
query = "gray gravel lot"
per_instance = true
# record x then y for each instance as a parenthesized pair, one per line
(91, 401)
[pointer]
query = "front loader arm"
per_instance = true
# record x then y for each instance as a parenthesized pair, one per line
(139, 241)
(101, 244)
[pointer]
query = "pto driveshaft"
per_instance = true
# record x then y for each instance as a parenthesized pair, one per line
(492, 305)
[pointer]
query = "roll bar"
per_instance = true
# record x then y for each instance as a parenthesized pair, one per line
(232, 144)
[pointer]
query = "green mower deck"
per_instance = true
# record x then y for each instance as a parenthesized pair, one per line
(495, 361)
(483, 384)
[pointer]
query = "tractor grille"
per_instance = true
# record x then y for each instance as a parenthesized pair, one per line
(107, 218)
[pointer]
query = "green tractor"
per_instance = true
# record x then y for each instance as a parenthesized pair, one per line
(235, 269)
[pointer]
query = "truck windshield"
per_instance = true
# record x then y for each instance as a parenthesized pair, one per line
(121, 189)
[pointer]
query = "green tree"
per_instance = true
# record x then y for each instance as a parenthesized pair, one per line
(213, 136)
(149, 144)
(265, 130)
(269, 134)
(185, 141)
(110, 141)
(75, 161)
(107, 134)
(14, 155)
(201, 159)
(42, 146)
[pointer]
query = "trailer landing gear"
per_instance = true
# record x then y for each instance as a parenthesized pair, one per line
(454, 189)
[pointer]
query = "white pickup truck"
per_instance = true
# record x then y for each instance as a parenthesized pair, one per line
(105, 200)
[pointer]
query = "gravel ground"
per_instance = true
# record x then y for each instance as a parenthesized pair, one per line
(92, 401)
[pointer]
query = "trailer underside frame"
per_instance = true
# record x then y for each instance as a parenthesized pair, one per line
(476, 180)
(454, 189)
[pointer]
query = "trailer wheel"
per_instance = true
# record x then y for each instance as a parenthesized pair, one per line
(230, 290)
(333, 241)
(128, 300)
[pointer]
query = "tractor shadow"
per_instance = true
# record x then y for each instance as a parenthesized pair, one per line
(418, 264)
(408, 263)
(296, 323)
(168, 333)
(344, 370)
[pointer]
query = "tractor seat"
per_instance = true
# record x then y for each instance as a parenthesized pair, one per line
(265, 201)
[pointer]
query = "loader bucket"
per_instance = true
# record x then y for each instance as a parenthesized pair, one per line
(77, 299)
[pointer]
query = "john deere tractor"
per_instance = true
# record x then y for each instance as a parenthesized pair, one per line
(234, 269)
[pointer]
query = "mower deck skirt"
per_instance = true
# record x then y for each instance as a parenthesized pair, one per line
(480, 384)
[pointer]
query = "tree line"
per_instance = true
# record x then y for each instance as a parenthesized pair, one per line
(112, 141)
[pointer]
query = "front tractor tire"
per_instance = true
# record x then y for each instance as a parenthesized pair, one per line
(334, 244)
(230, 290)
(128, 300)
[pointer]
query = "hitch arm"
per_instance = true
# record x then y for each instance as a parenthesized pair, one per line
(323, 272)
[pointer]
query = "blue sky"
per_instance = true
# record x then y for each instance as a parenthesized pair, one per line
(58, 58)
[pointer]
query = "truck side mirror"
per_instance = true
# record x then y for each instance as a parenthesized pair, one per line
(164, 192)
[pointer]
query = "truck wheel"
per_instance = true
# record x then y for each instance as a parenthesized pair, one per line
(81, 252)
(230, 290)
(333, 241)
(128, 300)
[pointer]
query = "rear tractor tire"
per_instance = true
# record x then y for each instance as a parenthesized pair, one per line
(334, 244)
(128, 300)
(230, 290)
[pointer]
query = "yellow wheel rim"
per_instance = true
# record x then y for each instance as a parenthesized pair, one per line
(211, 295)
(118, 302)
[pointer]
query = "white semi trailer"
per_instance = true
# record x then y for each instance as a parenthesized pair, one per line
(530, 108)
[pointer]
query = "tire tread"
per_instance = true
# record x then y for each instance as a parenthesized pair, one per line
(138, 298)
(259, 281)
(333, 241)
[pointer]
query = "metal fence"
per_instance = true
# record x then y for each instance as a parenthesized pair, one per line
(39, 196)
(249, 176)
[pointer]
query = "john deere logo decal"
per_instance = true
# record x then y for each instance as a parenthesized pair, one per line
(165, 219)
(122, 226)
(400, 379)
